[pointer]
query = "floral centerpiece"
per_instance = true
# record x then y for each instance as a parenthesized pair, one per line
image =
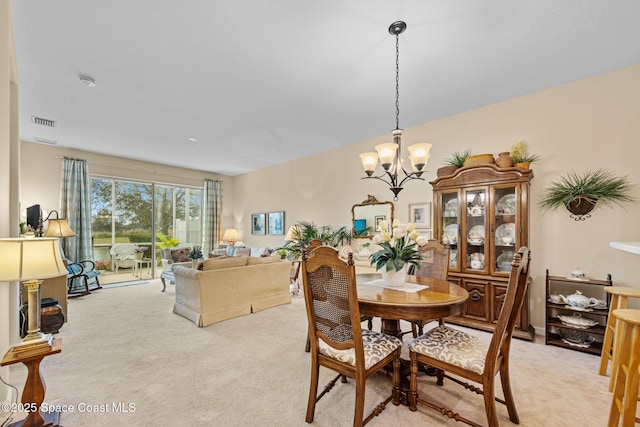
(400, 246)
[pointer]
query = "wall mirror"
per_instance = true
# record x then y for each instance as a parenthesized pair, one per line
(368, 214)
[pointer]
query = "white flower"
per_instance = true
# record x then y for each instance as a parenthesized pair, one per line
(383, 226)
(377, 239)
(398, 233)
(414, 235)
(421, 240)
(410, 227)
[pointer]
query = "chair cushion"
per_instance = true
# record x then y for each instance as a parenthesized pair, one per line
(451, 346)
(377, 346)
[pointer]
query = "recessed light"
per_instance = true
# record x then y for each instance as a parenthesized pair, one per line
(87, 81)
(192, 139)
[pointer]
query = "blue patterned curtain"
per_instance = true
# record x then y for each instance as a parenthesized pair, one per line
(75, 206)
(212, 214)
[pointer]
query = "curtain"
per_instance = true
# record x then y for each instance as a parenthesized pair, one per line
(212, 214)
(75, 206)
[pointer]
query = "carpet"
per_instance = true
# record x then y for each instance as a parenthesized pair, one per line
(128, 360)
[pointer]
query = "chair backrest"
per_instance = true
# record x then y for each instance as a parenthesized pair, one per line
(434, 262)
(516, 292)
(123, 249)
(331, 299)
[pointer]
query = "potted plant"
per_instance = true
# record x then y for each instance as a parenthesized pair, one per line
(399, 248)
(138, 252)
(521, 156)
(454, 162)
(579, 193)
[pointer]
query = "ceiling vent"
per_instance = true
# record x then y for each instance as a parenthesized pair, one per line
(43, 122)
(45, 141)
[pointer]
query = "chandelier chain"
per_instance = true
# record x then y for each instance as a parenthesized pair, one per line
(397, 81)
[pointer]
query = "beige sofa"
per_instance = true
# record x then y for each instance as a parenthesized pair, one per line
(230, 287)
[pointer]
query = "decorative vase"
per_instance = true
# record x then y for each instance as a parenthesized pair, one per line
(522, 165)
(504, 160)
(137, 255)
(395, 278)
(446, 170)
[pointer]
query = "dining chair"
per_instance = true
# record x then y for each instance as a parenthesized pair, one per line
(338, 341)
(434, 264)
(464, 355)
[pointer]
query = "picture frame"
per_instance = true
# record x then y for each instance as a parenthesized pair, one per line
(378, 219)
(258, 223)
(426, 232)
(275, 222)
(420, 214)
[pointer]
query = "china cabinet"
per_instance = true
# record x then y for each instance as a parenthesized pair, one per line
(576, 312)
(482, 214)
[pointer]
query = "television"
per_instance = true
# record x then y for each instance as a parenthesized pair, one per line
(34, 215)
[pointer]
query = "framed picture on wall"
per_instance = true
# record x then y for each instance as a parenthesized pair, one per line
(379, 219)
(275, 222)
(420, 214)
(258, 223)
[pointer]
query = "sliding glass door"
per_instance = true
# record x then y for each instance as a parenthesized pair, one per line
(129, 211)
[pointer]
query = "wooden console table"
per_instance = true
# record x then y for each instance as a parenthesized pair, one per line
(34, 387)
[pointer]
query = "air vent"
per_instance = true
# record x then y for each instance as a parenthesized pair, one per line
(43, 122)
(45, 141)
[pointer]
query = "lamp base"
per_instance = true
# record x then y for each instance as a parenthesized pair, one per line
(34, 344)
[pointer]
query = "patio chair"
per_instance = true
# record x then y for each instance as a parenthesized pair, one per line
(464, 355)
(338, 341)
(82, 278)
(122, 256)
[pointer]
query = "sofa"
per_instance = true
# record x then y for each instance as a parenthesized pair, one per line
(229, 287)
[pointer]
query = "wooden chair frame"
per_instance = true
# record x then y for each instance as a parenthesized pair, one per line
(497, 356)
(314, 258)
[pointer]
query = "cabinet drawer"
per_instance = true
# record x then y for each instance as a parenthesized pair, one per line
(477, 306)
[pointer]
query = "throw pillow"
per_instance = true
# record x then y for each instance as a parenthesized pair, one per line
(242, 252)
(180, 255)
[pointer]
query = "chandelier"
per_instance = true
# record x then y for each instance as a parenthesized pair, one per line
(390, 153)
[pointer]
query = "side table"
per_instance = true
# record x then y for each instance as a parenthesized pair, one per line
(34, 387)
(139, 264)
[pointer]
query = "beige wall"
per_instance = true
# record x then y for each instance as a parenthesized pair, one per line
(583, 125)
(577, 126)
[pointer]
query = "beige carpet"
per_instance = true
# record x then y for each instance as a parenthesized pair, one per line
(124, 345)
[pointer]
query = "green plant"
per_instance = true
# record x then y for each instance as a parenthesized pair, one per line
(458, 157)
(399, 246)
(166, 242)
(304, 232)
(601, 185)
(196, 252)
(520, 153)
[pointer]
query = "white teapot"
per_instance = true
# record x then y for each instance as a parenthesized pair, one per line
(578, 300)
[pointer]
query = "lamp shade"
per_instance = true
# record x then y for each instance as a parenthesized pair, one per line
(293, 233)
(59, 228)
(230, 234)
(29, 259)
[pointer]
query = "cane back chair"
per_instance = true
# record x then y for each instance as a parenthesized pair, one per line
(464, 355)
(338, 341)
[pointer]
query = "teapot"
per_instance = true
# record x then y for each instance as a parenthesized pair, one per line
(578, 300)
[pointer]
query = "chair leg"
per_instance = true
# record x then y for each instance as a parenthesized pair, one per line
(358, 412)
(413, 382)
(508, 394)
(396, 381)
(313, 391)
(489, 395)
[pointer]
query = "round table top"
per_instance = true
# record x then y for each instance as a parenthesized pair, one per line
(438, 300)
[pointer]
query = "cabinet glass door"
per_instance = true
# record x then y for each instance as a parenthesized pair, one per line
(505, 234)
(475, 238)
(451, 227)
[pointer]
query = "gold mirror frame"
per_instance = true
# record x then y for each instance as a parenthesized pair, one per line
(371, 211)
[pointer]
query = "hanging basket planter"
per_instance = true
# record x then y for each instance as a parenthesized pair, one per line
(580, 208)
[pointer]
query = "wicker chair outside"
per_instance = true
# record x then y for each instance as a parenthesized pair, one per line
(338, 341)
(463, 355)
(434, 264)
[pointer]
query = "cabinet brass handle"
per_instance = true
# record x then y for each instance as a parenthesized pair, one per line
(475, 297)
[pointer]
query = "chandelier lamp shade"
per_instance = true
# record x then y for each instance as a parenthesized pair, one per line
(390, 154)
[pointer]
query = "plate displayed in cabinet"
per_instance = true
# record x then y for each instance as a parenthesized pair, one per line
(506, 234)
(506, 205)
(577, 321)
(453, 258)
(452, 233)
(503, 262)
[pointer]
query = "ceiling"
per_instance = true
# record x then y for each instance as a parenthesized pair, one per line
(259, 83)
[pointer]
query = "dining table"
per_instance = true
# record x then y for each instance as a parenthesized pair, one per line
(421, 298)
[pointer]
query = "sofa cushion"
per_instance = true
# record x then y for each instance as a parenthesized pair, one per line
(262, 260)
(220, 263)
(242, 252)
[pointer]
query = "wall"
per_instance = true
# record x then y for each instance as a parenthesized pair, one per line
(583, 125)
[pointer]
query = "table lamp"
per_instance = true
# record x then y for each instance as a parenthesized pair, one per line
(230, 234)
(30, 261)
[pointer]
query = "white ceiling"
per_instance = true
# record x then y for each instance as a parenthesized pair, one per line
(262, 82)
